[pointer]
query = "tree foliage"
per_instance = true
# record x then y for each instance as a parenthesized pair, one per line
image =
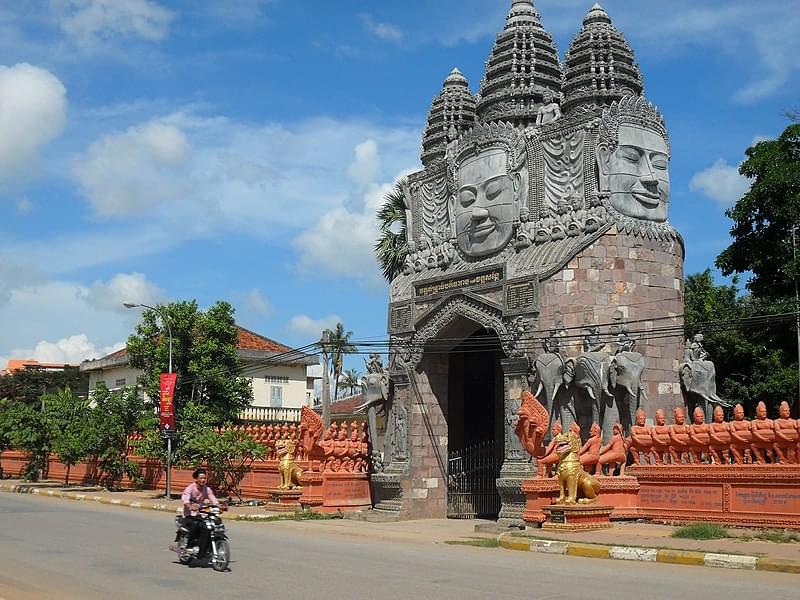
(764, 217)
(204, 357)
(391, 248)
(27, 385)
(69, 420)
(753, 362)
(335, 344)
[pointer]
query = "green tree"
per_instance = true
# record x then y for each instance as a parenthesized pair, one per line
(763, 219)
(27, 385)
(336, 343)
(115, 417)
(391, 248)
(351, 380)
(204, 357)
(68, 418)
(754, 358)
(27, 430)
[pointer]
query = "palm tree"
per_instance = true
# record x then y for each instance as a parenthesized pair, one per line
(335, 344)
(391, 248)
(350, 380)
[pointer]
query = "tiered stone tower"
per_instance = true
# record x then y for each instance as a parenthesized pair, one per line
(539, 221)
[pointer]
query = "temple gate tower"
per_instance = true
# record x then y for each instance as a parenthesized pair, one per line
(539, 254)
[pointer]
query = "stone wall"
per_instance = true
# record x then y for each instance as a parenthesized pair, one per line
(643, 278)
(425, 490)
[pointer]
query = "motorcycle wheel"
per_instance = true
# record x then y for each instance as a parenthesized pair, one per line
(184, 557)
(222, 557)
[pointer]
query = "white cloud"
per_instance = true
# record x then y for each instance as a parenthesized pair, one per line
(58, 310)
(90, 22)
(23, 205)
(366, 165)
(123, 287)
(72, 350)
(33, 107)
(126, 173)
(303, 324)
(721, 182)
(757, 139)
(384, 31)
(254, 305)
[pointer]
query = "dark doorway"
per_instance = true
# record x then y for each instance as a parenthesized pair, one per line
(475, 426)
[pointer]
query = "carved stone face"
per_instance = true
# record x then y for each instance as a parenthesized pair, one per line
(641, 418)
(556, 429)
(738, 412)
(661, 417)
(636, 174)
(678, 416)
(719, 414)
(699, 416)
(486, 203)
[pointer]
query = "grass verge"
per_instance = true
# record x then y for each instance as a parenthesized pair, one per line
(701, 531)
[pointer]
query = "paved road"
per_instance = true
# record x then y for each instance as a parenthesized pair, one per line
(56, 549)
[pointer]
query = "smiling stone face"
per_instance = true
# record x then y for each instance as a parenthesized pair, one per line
(636, 173)
(486, 203)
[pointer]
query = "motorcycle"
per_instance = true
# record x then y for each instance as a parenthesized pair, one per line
(218, 551)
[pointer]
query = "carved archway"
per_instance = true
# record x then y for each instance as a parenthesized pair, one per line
(467, 306)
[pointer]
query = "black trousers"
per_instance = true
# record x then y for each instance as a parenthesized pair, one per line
(198, 533)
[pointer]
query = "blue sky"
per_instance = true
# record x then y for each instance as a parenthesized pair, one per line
(156, 150)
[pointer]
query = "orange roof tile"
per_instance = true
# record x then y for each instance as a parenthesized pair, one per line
(249, 340)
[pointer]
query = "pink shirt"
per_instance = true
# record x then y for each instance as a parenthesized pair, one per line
(194, 495)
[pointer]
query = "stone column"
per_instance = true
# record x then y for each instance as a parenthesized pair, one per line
(516, 463)
(387, 486)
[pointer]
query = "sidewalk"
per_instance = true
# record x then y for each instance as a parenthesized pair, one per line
(625, 541)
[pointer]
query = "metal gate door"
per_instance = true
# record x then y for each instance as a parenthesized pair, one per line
(472, 482)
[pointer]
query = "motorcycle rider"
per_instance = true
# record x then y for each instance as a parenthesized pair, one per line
(195, 495)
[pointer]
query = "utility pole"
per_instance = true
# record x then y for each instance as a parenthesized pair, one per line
(796, 311)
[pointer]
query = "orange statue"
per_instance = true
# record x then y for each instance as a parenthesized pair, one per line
(641, 440)
(354, 449)
(699, 436)
(741, 436)
(327, 444)
(679, 437)
(311, 427)
(589, 453)
(550, 458)
(615, 452)
(531, 426)
(786, 436)
(720, 438)
(660, 435)
(340, 448)
(763, 435)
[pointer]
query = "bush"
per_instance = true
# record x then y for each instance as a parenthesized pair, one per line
(701, 531)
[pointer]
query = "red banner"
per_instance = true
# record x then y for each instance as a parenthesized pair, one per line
(166, 406)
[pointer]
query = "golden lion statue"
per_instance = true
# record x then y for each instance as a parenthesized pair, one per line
(573, 481)
(287, 467)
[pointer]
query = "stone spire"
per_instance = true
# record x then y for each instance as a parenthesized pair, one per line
(452, 112)
(599, 66)
(521, 69)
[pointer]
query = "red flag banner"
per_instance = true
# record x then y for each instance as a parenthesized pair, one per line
(166, 406)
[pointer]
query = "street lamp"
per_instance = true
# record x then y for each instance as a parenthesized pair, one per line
(165, 320)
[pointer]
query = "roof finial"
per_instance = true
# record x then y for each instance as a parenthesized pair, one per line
(597, 14)
(522, 12)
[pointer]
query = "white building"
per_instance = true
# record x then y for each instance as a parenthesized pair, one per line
(281, 384)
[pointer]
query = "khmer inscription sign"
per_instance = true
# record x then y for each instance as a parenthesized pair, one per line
(676, 497)
(762, 499)
(400, 318)
(460, 282)
(522, 296)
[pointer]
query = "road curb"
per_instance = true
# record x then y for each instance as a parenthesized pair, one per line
(33, 489)
(677, 557)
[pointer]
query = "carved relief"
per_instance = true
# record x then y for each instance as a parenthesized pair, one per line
(563, 172)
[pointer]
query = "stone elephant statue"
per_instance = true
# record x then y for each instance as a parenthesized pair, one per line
(552, 375)
(626, 383)
(375, 387)
(699, 382)
(592, 375)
